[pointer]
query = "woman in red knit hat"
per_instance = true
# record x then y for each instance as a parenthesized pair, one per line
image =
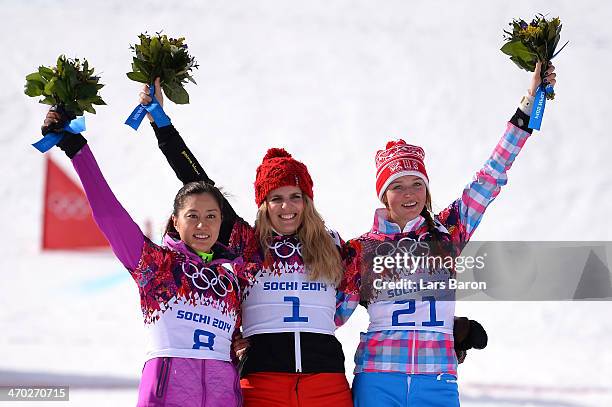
(407, 356)
(299, 296)
(289, 304)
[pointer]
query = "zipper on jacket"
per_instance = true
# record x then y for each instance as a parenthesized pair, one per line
(162, 377)
(298, 353)
(238, 389)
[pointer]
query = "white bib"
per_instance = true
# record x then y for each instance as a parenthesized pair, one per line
(196, 327)
(429, 305)
(189, 331)
(288, 302)
(426, 314)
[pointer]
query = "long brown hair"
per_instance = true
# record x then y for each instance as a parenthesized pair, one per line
(427, 213)
(319, 251)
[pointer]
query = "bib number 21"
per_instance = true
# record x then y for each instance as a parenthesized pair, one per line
(395, 317)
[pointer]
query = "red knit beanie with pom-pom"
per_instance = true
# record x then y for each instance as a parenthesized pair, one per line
(279, 169)
(396, 160)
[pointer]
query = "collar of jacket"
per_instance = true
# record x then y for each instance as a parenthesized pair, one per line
(383, 226)
(277, 237)
(221, 253)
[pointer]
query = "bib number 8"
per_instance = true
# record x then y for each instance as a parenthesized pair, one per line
(203, 339)
(395, 317)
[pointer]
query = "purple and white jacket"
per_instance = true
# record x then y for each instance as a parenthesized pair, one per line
(190, 308)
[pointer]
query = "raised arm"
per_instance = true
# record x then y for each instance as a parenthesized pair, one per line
(489, 180)
(183, 162)
(123, 234)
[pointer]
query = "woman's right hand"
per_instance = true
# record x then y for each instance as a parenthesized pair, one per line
(54, 122)
(145, 99)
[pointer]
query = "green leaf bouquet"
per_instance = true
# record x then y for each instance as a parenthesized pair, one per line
(70, 85)
(166, 58)
(529, 43)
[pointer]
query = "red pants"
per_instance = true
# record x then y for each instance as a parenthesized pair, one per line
(296, 390)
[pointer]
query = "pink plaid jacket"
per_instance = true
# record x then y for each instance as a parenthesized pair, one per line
(420, 351)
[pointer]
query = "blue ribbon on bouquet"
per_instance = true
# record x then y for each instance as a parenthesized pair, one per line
(51, 139)
(159, 116)
(539, 103)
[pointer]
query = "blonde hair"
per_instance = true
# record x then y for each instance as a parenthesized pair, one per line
(319, 252)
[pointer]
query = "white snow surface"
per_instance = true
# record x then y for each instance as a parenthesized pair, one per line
(331, 81)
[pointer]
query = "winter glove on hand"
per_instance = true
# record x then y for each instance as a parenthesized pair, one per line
(468, 334)
(477, 336)
(54, 122)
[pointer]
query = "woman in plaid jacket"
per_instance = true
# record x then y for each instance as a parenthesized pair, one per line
(407, 357)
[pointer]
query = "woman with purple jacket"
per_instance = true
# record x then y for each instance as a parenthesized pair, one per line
(189, 287)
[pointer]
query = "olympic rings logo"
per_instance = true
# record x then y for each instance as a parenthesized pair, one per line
(68, 206)
(406, 246)
(205, 278)
(290, 251)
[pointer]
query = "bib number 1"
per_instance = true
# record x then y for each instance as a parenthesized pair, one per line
(395, 317)
(295, 315)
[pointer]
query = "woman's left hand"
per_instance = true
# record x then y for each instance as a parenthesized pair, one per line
(56, 119)
(240, 345)
(536, 80)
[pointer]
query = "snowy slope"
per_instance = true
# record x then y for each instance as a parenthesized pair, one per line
(331, 81)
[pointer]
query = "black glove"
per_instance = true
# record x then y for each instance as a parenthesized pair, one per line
(469, 334)
(477, 336)
(56, 119)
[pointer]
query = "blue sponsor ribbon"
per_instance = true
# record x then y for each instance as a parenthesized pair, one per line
(159, 116)
(51, 139)
(539, 103)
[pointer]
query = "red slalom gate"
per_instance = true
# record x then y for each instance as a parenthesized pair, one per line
(67, 220)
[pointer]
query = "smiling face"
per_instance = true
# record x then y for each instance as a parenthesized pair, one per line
(198, 221)
(405, 198)
(285, 209)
